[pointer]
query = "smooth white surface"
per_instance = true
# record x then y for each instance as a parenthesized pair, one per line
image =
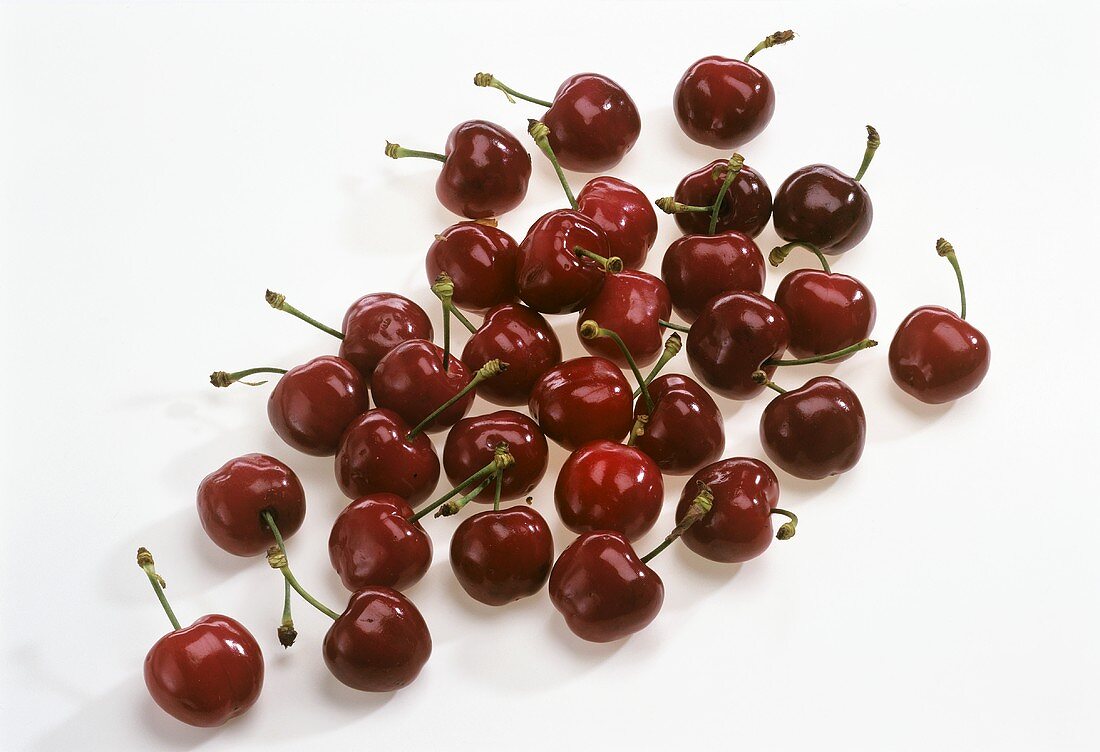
(164, 163)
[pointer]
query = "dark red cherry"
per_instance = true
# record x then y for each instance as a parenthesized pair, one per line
(523, 339)
(603, 589)
(312, 404)
(734, 336)
(698, 267)
(376, 455)
(738, 526)
(232, 499)
(472, 443)
(630, 303)
(582, 400)
(609, 486)
(377, 323)
(685, 431)
(552, 276)
(624, 214)
(502, 556)
(746, 207)
(412, 382)
(593, 123)
(373, 543)
(380, 643)
(480, 259)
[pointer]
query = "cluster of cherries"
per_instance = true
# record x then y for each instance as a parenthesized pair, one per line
(582, 259)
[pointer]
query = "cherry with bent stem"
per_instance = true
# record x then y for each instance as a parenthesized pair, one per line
(669, 205)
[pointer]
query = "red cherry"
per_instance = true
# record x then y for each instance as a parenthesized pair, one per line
(624, 214)
(745, 208)
(480, 259)
(377, 323)
(232, 499)
(685, 430)
(312, 404)
(582, 400)
(377, 455)
(609, 486)
(698, 267)
(553, 276)
(472, 443)
(379, 643)
(411, 381)
(374, 543)
(523, 339)
(632, 304)
(502, 556)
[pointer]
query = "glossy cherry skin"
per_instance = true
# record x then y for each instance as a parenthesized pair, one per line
(593, 123)
(550, 275)
(819, 204)
(412, 382)
(582, 400)
(472, 442)
(630, 303)
(826, 312)
(312, 404)
(524, 340)
(379, 643)
(602, 588)
(502, 556)
(481, 260)
(723, 103)
(373, 543)
(746, 207)
(486, 171)
(624, 214)
(685, 431)
(207, 673)
(376, 456)
(734, 336)
(609, 486)
(377, 323)
(938, 357)
(698, 267)
(816, 430)
(738, 526)
(231, 499)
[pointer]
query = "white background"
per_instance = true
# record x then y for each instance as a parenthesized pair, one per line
(164, 163)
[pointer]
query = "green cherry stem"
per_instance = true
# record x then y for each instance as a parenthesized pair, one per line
(487, 79)
(670, 205)
(702, 504)
(541, 134)
(444, 289)
(863, 344)
(278, 302)
(455, 506)
(672, 346)
(779, 37)
(502, 459)
(287, 633)
(786, 530)
(145, 561)
(589, 329)
(947, 250)
(873, 142)
(497, 490)
(224, 378)
(736, 162)
(276, 559)
(638, 429)
(674, 327)
(762, 379)
(395, 151)
(780, 252)
(612, 264)
(487, 371)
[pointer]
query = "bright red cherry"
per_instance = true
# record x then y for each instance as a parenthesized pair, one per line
(582, 400)
(472, 443)
(685, 429)
(377, 323)
(485, 169)
(411, 381)
(481, 261)
(624, 214)
(726, 103)
(745, 207)
(698, 267)
(377, 455)
(232, 499)
(562, 262)
(500, 556)
(936, 355)
(632, 304)
(523, 339)
(609, 486)
(374, 543)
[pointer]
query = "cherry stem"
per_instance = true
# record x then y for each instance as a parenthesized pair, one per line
(541, 134)
(780, 252)
(497, 491)
(779, 37)
(699, 508)
(286, 632)
(674, 327)
(612, 264)
(487, 79)
(589, 329)
(145, 561)
(672, 346)
(277, 559)
(873, 142)
(637, 430)
(454, 507)
(762, 379)
(224, 378)
(444, 289)
(395, 151)
(863, 344)
(502, 459)
(947, 250)
(487, 371)
(736, 162)
(278, 302)
(669, 205)
(786, 530)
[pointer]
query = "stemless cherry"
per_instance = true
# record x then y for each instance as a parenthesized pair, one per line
(624, 214)
(374, 543)
(378, 455)
(412, 381)
(485, 169)
(472, 443)
(582, 400)
(563, 261)
(745, 205)
(725, 103)
(632, 303)
(480, 259)
(232, 499)
(936, 355)
(685, 429)
(520, 337)
(500, 556)
(609, 486)
(698, 267)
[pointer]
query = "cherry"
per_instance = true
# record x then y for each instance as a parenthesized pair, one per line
(738, 526)
(563, 262)
(523, 339)
(814, 431)
(232, 499)
(725, 103)
(472, 443)
(698, 267)
(485, 169)
(500, 556)
(378, 455)
(412, 381)
(633, 304)
(821, 205)
(592, 121)
(624, 214)
(743, 199)
(374, 543)
(480, 259)
(204, 674)
(936, 355)
(685, 429)
(582, 400)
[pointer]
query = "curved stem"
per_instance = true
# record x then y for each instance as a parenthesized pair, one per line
(278, 302)
(224, 378)
(873, 142)
(702, 504)
(762, 379)
(637, 430)
(395, 151)
(736, 162)
(786, 530)
(672, 346)
(780, 252)
(779, 37)
(145, 561)
(674, 327)
(502, 459)
(487, 79)
(612, 264)
(591, 330)
(277, 559)
(863, 344)
(541, 134)
(286, 632)
(946, 250)
(487, 371)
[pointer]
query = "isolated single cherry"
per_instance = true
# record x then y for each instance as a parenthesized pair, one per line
(745, 207)
(377, 455)
(725, 103)
(481, 261)
(696, 268)
(936, 355)
(232, 499)
(377, 323)
(633, 304)
(624, 214)
(500, 556)
(609, 486)
(485, 169)
(582, 400)
(520, 337)
(472, 442)
(685, 429)
(563, 261)
(374, 543)
(411, 380)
